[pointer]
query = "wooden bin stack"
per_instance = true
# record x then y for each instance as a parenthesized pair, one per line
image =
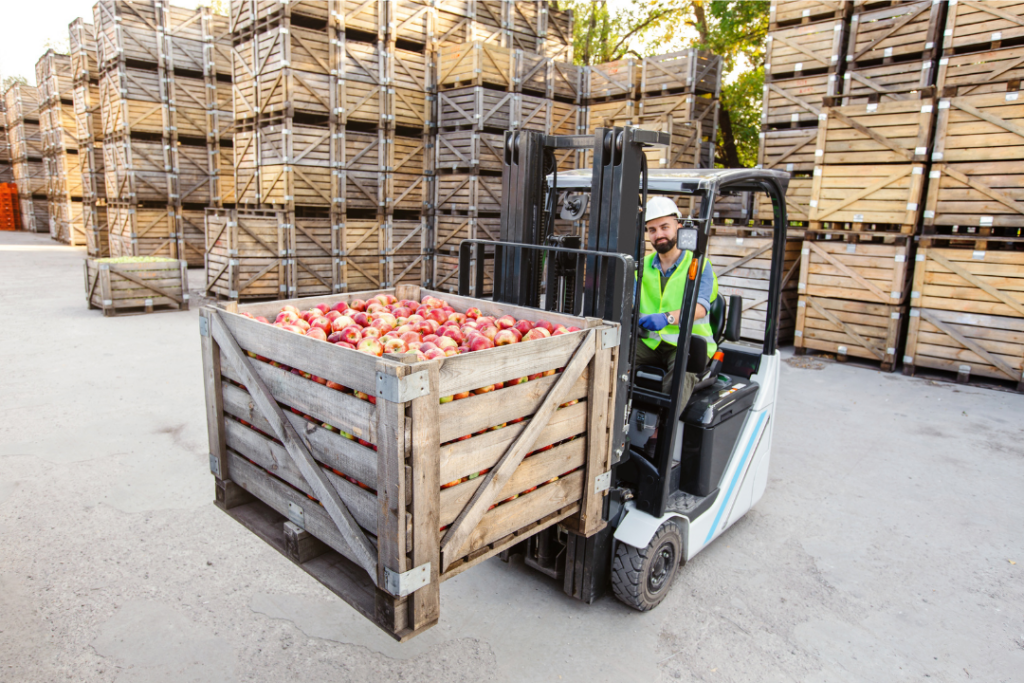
(89, 127)
(333, 119)
(6, 171)
(967, 298)
(27, 155)
(499, 65)
(413, 497)
(165, 90)
(59, 132)
(803, 66)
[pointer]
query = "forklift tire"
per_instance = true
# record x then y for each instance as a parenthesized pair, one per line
(641, 577)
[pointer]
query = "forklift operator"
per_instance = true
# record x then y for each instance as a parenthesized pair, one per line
(661, 295)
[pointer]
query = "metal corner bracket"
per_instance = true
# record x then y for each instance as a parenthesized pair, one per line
(404, 583)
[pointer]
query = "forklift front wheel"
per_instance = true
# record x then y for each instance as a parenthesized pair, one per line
(641, 576)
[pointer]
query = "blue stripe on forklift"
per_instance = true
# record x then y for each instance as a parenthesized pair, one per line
(736, 476)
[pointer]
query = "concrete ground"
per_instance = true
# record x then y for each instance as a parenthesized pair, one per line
(888, 546)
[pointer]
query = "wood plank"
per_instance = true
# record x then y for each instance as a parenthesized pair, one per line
(391, 512)
(425, 483)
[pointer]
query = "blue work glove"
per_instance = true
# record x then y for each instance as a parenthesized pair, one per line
(654, 322)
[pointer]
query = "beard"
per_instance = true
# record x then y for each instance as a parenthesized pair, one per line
(665, 246)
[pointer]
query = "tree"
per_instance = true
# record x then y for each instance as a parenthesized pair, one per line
(11, 80)
(734, 29)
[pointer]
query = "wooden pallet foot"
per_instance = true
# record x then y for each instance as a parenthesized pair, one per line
(799, 351)
(229, 494)
(908, 370)
(963, 374)
(302, 546)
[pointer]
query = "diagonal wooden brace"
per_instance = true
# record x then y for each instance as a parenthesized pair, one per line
(495, 480)
(365, 553)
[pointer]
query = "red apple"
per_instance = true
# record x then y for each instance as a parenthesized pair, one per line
(535, 377)
(370, 346)
(352, 334)
(432, 302)
(458, 318)
(335, 337)
(401, 312)
(319, 380)
(524, 326)
(430, 338)
(317, 333)
(372, 333)
(383, 325)
(345, 345)
(289, 307)
(409, 337)
(490, 331)
(536, 333)
(473, 312)
(261, 319)
(509, 335)
(483, 390)
(434, 354)
(414, 318)
(480, 343)
(452, 351)
(341, 306)
(323, 308)
(341, 322)
(332, 315)
(413, 345)
(323, 323)
(573, 328)
(513, 382)
(437, 315)
(454, 334)
(427, 346)
(375, 307)
(505, 321)
(462, 395)
(447, 343)
(463, 349)
(394, 346)
(357, 305)
(545, 325)
(560, 329)
(361, 319)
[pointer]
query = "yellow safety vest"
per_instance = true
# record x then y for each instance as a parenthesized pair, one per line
(654, 300)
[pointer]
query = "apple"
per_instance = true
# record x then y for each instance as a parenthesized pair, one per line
(394, 346)
(372, 333)
(414, 346)
(573, 328)
(430, 338)
(408, 337)
(434, 354)
(437, 315)
(433, 325)
(319, 380)
(335, 337)
(323, 323)
(473, 312)
(383, 325)
(388, 318)
(560, 329)
(485, 319)
(509, 335)
(414, 318)
(351, 334)
(370, 346)
(536, 333)
(524, 326)
(420, 356)
(317, 333)
(332, 315)
(513, 382)
(341, 306)
(461, 395)
(446, 399)
(483, 390)
(289, 307)
(341, 322)
(458, 318)
(537, 376)
(301, 324)
(489, 331)
(295, 328)
(447, 343)
(463, 349)
(451, 351)
(426, 346)
(323, 308)
(357, 305)
(261, 319)
(361, 319)
(505, 321)
(401, 312)
(345, 344)
(311, 314)
(480, 343)
(455, 334)
(544, 324)
(432, 302)
(375, 307)
(248, 315)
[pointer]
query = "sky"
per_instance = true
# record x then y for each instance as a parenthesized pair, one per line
(29, 24)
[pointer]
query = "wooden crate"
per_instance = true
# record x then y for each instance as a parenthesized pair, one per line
(82, 43)
(856, 271)
(788, 150)
(703, 110)
(899, 32)
(888, 82)
(245, 13)
(989, 121)
(400, 504)
(364, 103)
(477, 63)
(975, 194)
(408, 192)
(462, 193)
(246, 254)
(800, 51)
(968, 344)
(26, 141)
(790, 12)
(121, 288)
(475, 108)
(849, 328)
(612, 80)
(410, 109)
(312, 264)
(446, 271)
(969, 281)
(742, 263)
(407, 69)
(467, 150)
(978, 73)
(94, 219)
(797, 102)
(881, 197)
(978, 26)
(550, 116)
(135, 230)
(885, 133)
(449, 231)
(408, 252)
(684, 150)
(686, 71)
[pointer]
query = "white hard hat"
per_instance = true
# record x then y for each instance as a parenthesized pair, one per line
(659, 206)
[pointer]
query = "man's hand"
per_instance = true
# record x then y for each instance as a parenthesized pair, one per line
(654, 322)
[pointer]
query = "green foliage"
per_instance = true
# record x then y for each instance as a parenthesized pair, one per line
(11, 80)
(600, 36)
(742, 99)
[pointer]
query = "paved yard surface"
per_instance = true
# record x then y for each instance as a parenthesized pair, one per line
(888, 546)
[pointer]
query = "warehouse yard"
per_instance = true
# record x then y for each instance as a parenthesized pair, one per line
(887, 546)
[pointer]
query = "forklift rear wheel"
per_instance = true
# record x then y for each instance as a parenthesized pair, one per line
(641, 577)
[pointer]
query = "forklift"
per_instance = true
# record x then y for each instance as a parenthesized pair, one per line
(709, 464)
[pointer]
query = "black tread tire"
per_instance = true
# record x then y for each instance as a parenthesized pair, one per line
(631, 568)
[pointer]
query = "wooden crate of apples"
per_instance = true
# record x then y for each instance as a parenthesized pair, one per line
(405, 432)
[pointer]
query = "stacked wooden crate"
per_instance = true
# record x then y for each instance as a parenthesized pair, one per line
(27, 155)
(967, 298)
(6, 171)
(499, 65)
(89, 127)
(803, 63)
(165, 90)
(59, 133)
(333, 119)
